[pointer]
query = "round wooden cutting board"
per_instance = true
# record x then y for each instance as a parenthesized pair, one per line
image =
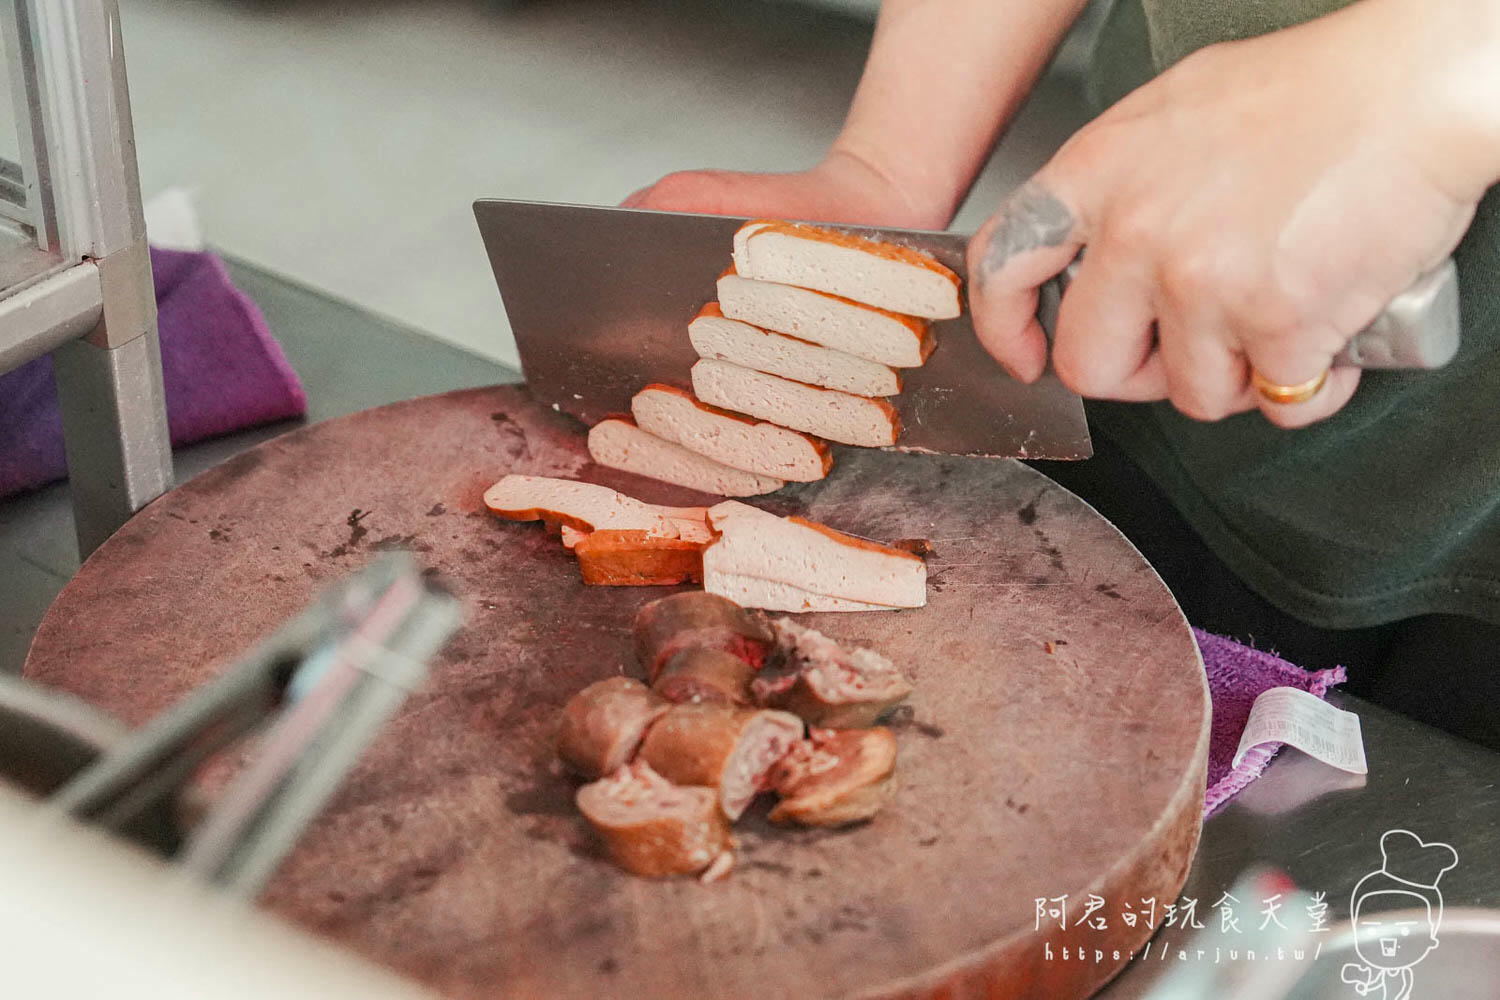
(1055, 745)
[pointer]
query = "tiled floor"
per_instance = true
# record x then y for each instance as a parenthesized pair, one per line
(342, 144)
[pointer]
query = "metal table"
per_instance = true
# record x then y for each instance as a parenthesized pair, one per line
(1320, 826)
(1323, 827)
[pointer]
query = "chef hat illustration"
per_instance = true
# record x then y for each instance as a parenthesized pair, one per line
(1407, 859)
(1407, 864)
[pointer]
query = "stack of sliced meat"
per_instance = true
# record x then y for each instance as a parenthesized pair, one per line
(673, 765)
(748, 555)
(810, 332)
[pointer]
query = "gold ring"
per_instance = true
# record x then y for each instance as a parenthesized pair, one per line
(1286, 394)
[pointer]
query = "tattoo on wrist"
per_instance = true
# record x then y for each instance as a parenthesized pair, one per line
(1030, 219)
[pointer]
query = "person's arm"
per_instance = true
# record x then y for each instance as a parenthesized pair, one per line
(942, 79)
(1254, 207)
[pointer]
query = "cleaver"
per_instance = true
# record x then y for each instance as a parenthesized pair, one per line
(599, 300)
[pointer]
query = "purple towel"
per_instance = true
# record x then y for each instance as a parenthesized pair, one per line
(222, 368)
(1236, 675)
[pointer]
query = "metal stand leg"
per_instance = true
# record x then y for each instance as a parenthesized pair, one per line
(78, 192)
(115, 431)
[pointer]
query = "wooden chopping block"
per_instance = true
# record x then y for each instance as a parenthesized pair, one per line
(1055, 746)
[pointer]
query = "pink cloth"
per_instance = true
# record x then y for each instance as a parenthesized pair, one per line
(1236, 675)
(223, 372)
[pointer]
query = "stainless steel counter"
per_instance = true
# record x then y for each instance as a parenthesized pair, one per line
(1323, 827)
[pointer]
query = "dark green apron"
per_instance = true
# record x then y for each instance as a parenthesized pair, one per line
(1391, 508)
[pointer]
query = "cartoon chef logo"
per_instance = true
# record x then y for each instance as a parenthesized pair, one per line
(1396, 912)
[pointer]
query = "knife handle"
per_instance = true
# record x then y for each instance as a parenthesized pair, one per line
(1418, 329)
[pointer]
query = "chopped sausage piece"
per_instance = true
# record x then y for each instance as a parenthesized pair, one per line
(824, 683)
(710, 676)
(636, 559)
(726, 748)
(697, 620)
(835, 777)
(604, 724)
(652, 827)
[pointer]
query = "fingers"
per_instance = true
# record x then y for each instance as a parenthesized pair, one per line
(1332, 397)
(1206, 378)
(1295, 361)
(1031, 237)
(713, 192)
(1104, 345)
(1207, 375)
(729, 192)
(1123, 334)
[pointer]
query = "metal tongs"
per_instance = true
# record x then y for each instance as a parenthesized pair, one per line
(318, 689)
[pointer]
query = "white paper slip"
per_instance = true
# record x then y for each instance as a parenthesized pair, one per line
(1292, 716)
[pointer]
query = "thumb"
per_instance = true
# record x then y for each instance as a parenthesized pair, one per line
(1035, 233)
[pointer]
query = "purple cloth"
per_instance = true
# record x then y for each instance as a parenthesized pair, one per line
(222, 369)
(1236, 675)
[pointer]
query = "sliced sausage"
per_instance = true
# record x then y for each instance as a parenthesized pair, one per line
(652, 827)
(710, 676)
(604, 723)
(697, 620)
(730, 749)
(835, 777)
(826, 684)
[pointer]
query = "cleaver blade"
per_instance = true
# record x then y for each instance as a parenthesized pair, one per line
(599, 300)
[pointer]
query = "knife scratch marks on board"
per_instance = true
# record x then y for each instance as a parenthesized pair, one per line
(1135, 674)
(1008, 584)
(759, 924)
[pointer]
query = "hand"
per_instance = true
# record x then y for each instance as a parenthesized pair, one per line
(842, 188)
(1256, 205)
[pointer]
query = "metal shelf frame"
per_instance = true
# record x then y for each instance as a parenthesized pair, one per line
(89, 300)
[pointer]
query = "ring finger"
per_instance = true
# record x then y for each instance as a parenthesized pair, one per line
(1287, 374)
